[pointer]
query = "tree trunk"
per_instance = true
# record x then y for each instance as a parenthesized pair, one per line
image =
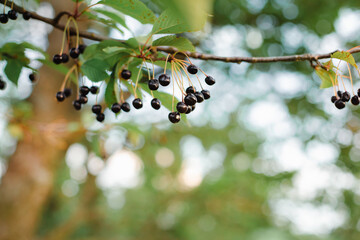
(28, 181)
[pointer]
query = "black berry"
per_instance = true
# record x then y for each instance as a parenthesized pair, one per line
(57, 59)
(126, 74)
(190, 99)
(199, 97)
(156, 104)
(100, 117)
(193, 108)
(2, 84)
(26, 15)
(96, 109)
(84, 90)
(189, 109)
(190, 89)
(182, 107)
(60, 96)
(153, 84)
(355, 100)
(358, 92)
(164, 80)
(64, 58)
(74, 52)
(4, 18)
(206, 94)
(137, 103)
(83, 99)
(339, 104)
(345, 97)
(192, 69)
(12, 14)
(67, 92)
(339, 93)
(210, 80)
(174, 117)
(77, 105)
(125, 107)
(32, 77)
(82, 48)
(94, 89)
(116, 108)
(333, 99)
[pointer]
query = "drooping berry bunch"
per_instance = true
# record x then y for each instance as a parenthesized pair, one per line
(74, 52)
(13, 15)
(341, 98)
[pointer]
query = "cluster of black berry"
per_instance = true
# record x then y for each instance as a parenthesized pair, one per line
(74, 53)
(192, 97)
(137, 103)
(13, 15)
(342, 98)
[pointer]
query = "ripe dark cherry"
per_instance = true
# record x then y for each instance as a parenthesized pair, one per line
(77, 105)
(345, 97)
(84, 90)
(189, 109)
(182, 107)
(4, 18)
(193, 108)
(156, 104)
(339, 93)
(210, 80)
(67, 92)
(60, 96)
(358, 92)
(57, 59)
(83, 99)
(74, 52)
(190, 99)
(190, 89)
(12, 14)
(153, 84)
(125, 107)
(137, 103)
(64, 58)
(355, 100)
(100, 117)
(116, 108)
(94, 89)
(164, 80)
(206, 94)
(199, 97)
(82, 48)
(32, 77)
(333, 99)
(192, 69)
(126, 74)
(96, 109)
(2, 84)
(174, 117)
(26, 15)
(339, 104)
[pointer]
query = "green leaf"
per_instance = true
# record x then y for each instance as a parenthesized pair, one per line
(345, 56)
(95, 69)
(12, 70)
(193, 13)
(114, 16)
(181, 43)
(110, 94)
(133, 8)
(170, 22)
(327, 77)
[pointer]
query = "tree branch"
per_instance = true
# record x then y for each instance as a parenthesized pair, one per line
(92, 36)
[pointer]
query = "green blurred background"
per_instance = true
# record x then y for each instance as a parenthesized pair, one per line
(267, 158)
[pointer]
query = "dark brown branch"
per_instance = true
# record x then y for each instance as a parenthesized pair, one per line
(293, 58)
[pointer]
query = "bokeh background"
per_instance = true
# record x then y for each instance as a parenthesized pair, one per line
(267, 158)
